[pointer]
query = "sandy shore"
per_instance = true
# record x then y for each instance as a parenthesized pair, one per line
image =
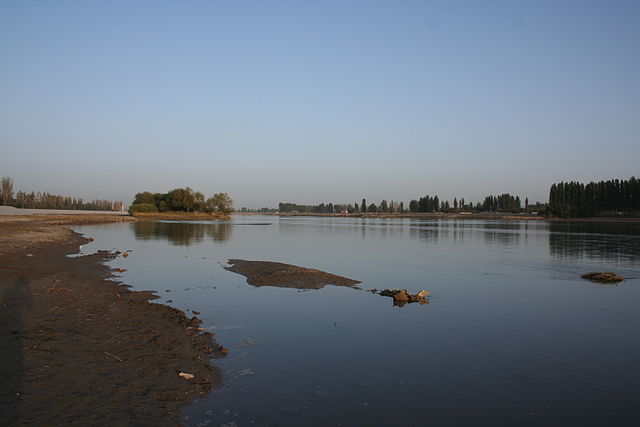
(79, 349)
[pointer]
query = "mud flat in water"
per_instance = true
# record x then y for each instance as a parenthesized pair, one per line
(266, 273)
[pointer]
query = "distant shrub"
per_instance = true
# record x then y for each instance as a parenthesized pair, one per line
(143, 207)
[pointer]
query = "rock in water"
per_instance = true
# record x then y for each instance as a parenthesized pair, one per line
(601, 277)
(423, 294)
(402, 296)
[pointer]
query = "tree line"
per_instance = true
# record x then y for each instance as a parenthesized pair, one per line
(44, 200)
(182, 200)
(342, 208)
(566, 199)
(427, 204)
(265, 210)
(603, 198)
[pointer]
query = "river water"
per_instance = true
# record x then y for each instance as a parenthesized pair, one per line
(511, 335)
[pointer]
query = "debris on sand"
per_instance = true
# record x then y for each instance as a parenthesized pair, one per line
(402, 296)
(601, 277)
(186, 375)
(265, 273)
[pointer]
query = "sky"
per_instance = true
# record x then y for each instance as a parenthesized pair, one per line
(318, 101)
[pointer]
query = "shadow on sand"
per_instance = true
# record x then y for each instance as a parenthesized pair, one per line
(16, 300)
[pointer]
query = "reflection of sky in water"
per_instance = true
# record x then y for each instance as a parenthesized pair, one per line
(511, 329)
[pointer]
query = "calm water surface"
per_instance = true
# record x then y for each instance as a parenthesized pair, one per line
(512, 335)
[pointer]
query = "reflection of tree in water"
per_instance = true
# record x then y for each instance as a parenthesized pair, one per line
(591, 240)
(493, 233)
(501, 237)
(219, 231)
(428, 232)
(181, 233)
(458, 231)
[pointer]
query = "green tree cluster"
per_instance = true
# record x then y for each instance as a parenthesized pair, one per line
(425, 204)
(265, 209)
(220, 203)
(181, 200)
(604, 198)
(502, 203)
(384, 207)
(321, 208)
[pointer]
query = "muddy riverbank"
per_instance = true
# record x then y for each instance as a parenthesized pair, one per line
(77, 347)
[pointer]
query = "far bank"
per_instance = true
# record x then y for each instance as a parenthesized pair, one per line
(439, 215)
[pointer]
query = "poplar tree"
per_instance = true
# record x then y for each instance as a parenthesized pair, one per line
(6, 188)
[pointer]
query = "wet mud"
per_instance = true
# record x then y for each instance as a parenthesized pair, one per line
(78, 348)
(266, 273)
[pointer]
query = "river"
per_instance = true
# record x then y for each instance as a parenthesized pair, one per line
(511, 334)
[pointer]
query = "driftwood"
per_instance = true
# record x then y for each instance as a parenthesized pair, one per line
(114, 356)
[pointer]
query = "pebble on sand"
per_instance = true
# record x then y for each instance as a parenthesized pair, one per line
(186, 375)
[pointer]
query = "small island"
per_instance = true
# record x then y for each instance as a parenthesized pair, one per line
(181, 204)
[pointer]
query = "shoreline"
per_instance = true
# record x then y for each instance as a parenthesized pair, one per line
(77, 346)
(177, 216)
(484, 216)
(102, 216)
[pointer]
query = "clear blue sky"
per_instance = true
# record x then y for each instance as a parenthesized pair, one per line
(311, 101)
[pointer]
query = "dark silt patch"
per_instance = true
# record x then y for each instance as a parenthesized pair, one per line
(266, 273)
